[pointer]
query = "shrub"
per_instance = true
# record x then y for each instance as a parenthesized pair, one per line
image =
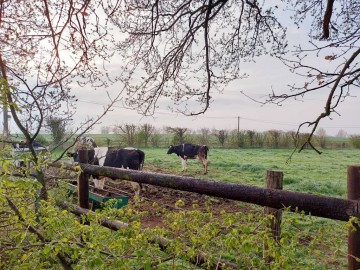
(355, 141)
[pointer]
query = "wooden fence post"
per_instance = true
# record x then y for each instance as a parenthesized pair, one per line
(83, 182)
(274, 180)
(353, 183)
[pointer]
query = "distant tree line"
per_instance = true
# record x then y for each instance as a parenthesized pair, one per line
(147, 135)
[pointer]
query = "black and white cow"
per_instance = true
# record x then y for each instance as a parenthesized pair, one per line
(85, 143)
(190, 151)
(128, 158)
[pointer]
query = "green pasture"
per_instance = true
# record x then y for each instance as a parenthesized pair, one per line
(309, 172)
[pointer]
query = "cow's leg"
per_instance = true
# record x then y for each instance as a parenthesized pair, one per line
(136, 187)
(101, 183)
(96, 182)
(183, 164)
(205, 164)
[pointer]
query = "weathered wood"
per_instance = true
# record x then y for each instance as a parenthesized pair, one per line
(321, 206)
(354, 233)
(274, 180)
(77, 210)
(83, 182)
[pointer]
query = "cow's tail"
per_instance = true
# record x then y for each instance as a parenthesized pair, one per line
(141, 159)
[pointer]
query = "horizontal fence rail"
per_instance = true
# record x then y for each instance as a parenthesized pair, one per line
(316, 205)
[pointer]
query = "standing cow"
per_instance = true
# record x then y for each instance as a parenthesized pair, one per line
(128, 158)
(190, 151)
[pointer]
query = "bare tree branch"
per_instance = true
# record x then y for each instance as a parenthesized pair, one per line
(327, 18)
(185, 51)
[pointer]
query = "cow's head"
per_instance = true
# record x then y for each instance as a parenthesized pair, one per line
(92, 159)
(84, 143)
(171, 149)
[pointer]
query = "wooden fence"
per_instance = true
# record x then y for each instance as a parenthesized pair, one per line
(320, 206)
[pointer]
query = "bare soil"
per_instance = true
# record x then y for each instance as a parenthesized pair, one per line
(164, 197)
(169, 198)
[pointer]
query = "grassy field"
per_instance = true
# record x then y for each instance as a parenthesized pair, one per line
(309, 172)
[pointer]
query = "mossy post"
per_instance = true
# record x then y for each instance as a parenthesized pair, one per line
(274, 180)
(354, 232)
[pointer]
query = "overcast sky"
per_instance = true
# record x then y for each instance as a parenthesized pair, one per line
(232, 108)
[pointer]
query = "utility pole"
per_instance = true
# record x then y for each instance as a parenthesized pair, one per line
(238, 132)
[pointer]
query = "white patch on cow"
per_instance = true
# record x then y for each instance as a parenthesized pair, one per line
(100, 153)
(130, 148)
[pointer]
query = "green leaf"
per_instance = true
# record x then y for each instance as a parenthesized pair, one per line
(47, 250)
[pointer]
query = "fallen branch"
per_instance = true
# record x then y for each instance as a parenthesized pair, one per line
(162, 242)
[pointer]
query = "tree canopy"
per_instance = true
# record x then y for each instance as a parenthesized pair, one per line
(47, 48)
(189, 50)
(192, 49)
(180, 51)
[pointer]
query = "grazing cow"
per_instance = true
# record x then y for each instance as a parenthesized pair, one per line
(128, 158)
(190, 151)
